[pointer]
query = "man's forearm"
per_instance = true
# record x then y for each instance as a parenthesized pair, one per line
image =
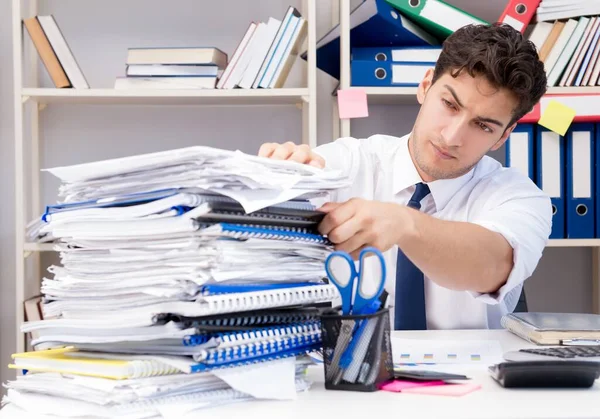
(456, 255)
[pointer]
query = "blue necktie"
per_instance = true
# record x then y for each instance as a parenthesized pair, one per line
(410, 289)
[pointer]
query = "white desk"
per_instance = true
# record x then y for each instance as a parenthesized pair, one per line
(492, 401)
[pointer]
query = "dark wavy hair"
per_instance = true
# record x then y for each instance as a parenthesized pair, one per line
(502, 55)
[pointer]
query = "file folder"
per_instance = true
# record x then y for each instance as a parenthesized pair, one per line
(385, 73)
(435, 16)
(550, 175)
(580, 182)
(518, 13)
(520, 150)
(373, 23)
(428, 54)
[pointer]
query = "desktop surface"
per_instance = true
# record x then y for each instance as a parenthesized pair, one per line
(491, 401)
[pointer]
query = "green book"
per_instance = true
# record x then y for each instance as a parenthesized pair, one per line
(436, 17)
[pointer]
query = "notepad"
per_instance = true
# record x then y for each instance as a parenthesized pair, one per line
(551, 328)
(455, 390)
(59, 360)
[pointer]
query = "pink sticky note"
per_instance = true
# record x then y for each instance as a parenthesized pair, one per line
(352, 103)
(402, 385)
(447, 390)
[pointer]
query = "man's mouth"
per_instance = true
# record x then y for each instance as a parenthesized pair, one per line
(442, 153)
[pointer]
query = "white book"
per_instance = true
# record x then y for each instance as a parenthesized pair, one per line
(63, 52)
(289, 56)
(539, 33)
(567, 52)
(259, 53)
(236, 55)
(286, 39)
(571, 71)
(238, 71)
(559, 45)
(122, 83)
(287, 19)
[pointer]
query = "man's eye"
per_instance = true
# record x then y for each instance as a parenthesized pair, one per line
(484, 127)
(448, 104)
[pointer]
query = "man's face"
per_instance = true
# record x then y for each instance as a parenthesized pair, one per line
(460, 120)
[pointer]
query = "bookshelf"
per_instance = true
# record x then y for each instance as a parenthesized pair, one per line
(29, 102)
(407, 96)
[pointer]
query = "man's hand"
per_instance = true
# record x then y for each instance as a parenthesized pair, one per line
(290, 151)
(358, 223)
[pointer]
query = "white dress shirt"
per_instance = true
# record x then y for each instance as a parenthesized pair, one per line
(498, 198)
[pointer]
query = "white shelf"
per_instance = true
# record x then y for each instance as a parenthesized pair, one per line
(229, 97)
(407, 95)
(574, 243)
(391, 95)
(568, 90)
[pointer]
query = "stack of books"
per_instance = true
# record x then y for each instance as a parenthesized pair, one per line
(192, 276)
(569, 49)
(266, 53)
(172, 68)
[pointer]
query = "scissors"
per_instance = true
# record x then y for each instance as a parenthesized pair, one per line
(342, 272)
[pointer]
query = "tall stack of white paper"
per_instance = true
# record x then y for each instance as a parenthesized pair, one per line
(159, 252)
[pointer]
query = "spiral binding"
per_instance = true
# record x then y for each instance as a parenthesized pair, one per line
(149, 368)
(235, 320)
(227, 338)
(246, 301)
(251, 350)
(239, 231)
(211, 396)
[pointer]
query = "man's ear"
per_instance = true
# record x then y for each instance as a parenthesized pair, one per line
(504, 137)
(424, 86)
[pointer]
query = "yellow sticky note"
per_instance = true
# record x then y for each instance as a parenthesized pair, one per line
(557, 117)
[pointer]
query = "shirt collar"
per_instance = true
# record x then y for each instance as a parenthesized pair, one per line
(406, 175)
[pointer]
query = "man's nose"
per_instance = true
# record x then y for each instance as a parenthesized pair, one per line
(454, 132)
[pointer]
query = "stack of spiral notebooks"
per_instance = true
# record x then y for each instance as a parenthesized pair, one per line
(164, 275)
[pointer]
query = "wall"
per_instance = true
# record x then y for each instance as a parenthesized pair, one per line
(99, 33)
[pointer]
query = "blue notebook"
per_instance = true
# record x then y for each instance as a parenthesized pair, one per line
(247, 348)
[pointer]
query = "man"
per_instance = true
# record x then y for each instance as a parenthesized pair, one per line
(461, 233)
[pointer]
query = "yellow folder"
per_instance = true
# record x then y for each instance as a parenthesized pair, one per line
(69, 360)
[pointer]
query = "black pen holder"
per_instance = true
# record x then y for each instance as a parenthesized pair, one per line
(357, 351)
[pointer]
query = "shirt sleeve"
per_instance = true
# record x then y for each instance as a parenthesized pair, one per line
(356, 159)
(522, 214)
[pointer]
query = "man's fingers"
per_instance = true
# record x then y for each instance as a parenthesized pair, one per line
(329, 206)
(337, 217)
(316, 160)
(283, 151)
(353, 245)
(300, 155)
(267, 149)
(344, 232)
